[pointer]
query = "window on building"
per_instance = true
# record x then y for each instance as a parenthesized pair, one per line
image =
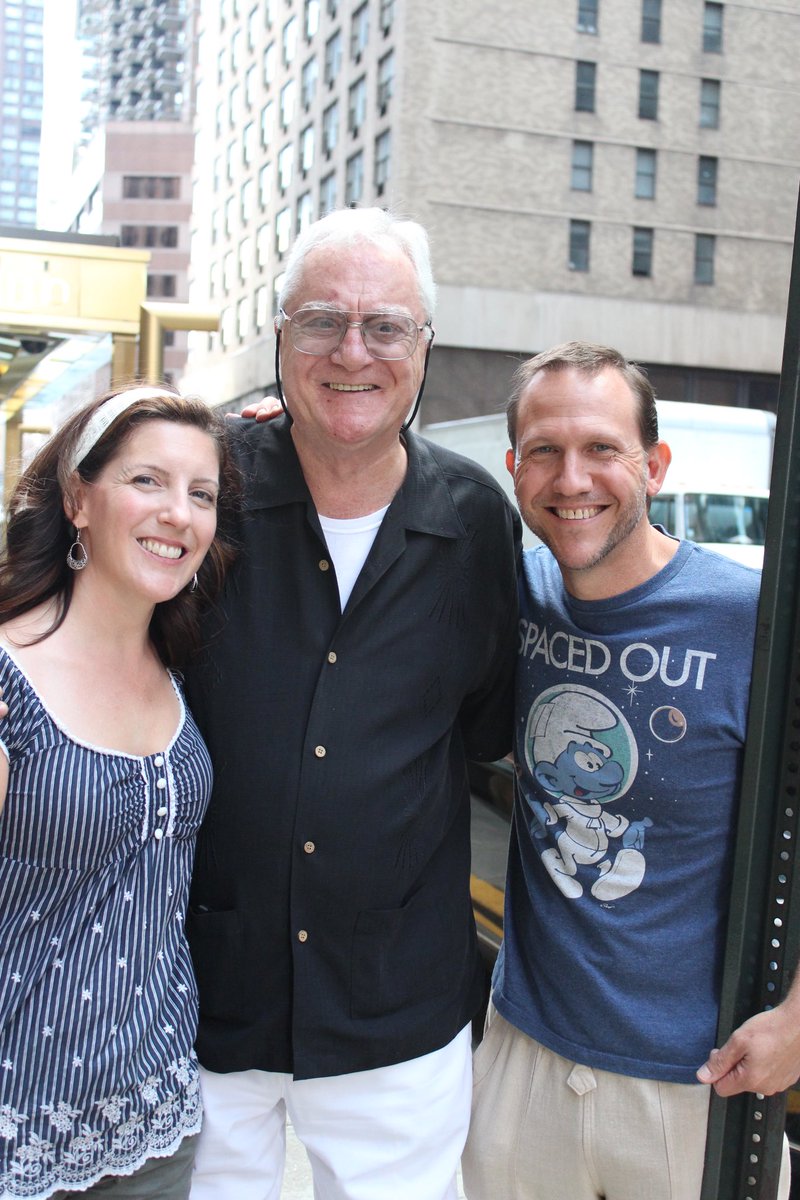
(582, 162)
(706, 179)
(712, 28)
(270, 64)
(585, 79)
(163, 286)
(242, 319)
(283, 230)
(332, 7)
(305, 212)
(230, 206)
(386, 16)
(287, 101)
(151, 187)
(230, 155)
(579, 237)
(645, 185)
(261, 314)
(642, 251)
(710, 92)
(385, 81)
(587, 16)
(226, 318)
(269, 13)
(264, 185)
(704, 248)
(357, 105)
(310, 18)
(327, 194)
(250, 86)
(285, 166)
(651, 20)
(648, 95)
(245, 259)
(307, 149)
(247, 200)
(330, 128)
(228, 271)
(359, 31)
(333, 58)
(289, 41)
(354, 178)
(308, 82)
(383, 153)
(150, 236)
(236, 52)
(267, 124)
(249, 144)
(252, 26)
(262, 246)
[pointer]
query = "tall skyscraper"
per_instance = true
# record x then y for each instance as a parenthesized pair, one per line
(619, 170)
(132, 176)
(21, 71)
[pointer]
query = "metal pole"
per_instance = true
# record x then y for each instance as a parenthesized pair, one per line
(154, 318)
(745, 1133)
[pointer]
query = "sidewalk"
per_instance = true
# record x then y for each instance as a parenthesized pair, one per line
(297, 1177)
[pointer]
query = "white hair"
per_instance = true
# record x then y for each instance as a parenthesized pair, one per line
(346, 226)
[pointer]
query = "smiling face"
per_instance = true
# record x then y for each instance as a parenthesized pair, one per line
(582, 478)
(348, 398)
(150, 516)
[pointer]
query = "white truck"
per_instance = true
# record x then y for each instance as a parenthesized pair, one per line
(717, 486)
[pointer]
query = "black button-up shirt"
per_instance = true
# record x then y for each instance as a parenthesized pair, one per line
(330, 919)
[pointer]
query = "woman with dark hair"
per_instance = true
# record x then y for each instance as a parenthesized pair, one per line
(117, 540)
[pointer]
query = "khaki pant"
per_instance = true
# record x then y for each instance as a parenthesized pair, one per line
(544, 1128)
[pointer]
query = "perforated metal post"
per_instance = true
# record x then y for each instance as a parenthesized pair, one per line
(745, 1133)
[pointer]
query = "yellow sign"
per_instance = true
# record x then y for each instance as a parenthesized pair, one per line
(71, 287)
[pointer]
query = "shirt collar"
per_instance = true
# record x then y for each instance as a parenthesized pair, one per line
(424, 501)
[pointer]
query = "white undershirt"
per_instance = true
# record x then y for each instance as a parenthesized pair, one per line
(349, 542)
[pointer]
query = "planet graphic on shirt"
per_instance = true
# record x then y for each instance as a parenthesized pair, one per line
(667, 724)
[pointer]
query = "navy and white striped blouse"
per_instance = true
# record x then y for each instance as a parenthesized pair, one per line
(98, 1005)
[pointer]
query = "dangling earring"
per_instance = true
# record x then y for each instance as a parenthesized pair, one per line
(77, 555)
(193, 584)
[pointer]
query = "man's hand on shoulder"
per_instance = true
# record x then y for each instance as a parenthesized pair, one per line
(262, 410)
(762, 1055)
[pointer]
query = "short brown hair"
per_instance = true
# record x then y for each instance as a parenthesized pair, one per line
(590, 359)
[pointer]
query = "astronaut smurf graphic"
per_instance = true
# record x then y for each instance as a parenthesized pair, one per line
(581, 750)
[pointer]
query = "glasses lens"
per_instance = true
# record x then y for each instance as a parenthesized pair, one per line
(317, 330)
(389, 336)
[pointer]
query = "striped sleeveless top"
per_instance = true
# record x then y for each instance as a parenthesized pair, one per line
(98, 1006)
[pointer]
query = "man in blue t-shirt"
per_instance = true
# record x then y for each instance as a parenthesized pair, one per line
(634, 660)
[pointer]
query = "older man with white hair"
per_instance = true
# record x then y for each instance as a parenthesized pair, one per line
(367, 651)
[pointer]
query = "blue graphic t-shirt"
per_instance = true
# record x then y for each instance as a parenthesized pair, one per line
(630, 724)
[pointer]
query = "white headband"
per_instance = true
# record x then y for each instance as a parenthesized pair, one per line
(106, 414)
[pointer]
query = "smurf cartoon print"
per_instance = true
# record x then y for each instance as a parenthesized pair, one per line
(581, 750)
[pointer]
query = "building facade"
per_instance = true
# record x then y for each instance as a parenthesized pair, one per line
(135, 147)
(621, 172)
(21, 71)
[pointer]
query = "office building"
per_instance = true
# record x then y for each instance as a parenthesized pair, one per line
(21, 71)
(132, 177)
(621, 172)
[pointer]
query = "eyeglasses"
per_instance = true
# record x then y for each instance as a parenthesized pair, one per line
(385, 335)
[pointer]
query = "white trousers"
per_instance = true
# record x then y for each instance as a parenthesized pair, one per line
(394, 1133)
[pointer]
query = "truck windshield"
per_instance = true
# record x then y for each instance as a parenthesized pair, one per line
(735, 520)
